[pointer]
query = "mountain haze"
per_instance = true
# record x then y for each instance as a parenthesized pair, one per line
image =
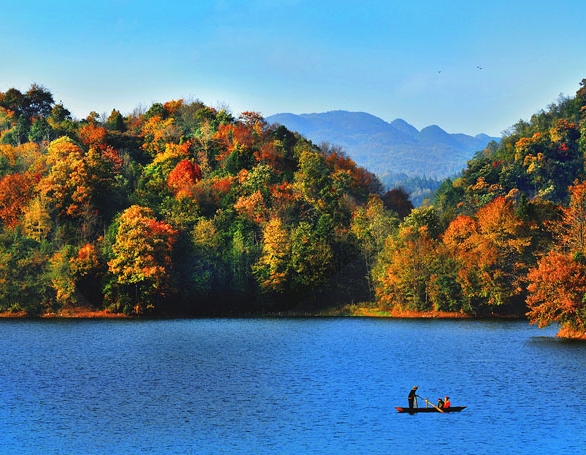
(388, 148)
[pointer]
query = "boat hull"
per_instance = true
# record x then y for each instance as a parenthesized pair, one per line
(415, 410)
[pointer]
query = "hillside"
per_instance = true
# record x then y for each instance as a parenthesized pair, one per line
(177, 210)
(505, 237)
(388, 148)
(185, 210)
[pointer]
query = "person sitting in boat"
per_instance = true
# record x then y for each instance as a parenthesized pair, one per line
(412, 397)
(446, 402)
(440, 403)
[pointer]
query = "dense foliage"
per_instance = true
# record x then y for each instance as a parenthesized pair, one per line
(185, 209)
(179, 209)
(508, 235)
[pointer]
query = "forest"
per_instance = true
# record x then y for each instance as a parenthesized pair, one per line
(182, 209)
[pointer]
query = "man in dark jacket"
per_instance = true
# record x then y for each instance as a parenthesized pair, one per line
(412, 397)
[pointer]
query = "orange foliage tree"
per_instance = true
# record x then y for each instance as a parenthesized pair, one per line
(557, 285)
(16, 190)
(92, 134)
(233, 138)
(490, 252)
(183, 177)
(141, 255)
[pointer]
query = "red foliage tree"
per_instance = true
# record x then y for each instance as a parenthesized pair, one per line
(183, 177)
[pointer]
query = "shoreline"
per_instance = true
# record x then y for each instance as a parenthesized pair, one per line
(73, 313)
(565, 333)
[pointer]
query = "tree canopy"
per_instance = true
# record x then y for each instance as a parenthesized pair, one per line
(182, 208)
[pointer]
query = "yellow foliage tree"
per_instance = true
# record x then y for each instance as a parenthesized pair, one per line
(141, 254)
(272, 268)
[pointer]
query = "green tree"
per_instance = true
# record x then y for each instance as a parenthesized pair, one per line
(115, 121)
(312, 179)
(372, 225)
(311, 259)
(424, 217)
(40, 130)
(24, 284)
(38, 101)
(207, 257)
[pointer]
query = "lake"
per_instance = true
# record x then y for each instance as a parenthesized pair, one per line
(287, 386)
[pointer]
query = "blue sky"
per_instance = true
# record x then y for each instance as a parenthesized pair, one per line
(410, 59)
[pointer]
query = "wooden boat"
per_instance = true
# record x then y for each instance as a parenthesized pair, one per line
(430, 409)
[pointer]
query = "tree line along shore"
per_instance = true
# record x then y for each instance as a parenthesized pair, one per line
(184, 209)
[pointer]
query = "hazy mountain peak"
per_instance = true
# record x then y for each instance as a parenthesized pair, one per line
(388, 148)
(401, 125)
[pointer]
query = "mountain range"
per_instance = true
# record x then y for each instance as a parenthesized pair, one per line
(388, 149)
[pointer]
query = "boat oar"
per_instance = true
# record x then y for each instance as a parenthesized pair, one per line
(429, 402)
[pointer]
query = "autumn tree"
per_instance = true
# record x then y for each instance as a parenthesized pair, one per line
(157, 132)
(81, 185)
(254, 193)
(66, 185)
(557, 285)
(37, 220)
(183, 177)
(92, 134)
(16, 190)
(141, 257)
(404, 270)
(571, 231)
(272, 269)
(372, 225)
(491, 253)
(235, 151)
(154, 181)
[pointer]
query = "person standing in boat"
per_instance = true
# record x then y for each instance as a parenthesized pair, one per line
(412, 397)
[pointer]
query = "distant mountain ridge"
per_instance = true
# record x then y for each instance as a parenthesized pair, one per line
(388, 148)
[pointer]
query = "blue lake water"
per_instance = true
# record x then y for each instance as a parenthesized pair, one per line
(287, 386)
